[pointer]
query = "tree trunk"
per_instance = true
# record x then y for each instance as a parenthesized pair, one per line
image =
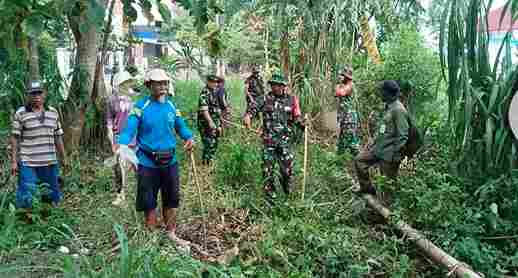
(78, 99)
(34, 59)
(369, 40)
(285, 54)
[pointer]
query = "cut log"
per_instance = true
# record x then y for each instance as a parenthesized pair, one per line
(454, 266)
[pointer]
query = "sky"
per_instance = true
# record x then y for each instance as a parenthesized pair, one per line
(496, 3)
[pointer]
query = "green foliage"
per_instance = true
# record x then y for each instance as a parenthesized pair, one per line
(466, 225)
(14, 72)
(238, 166)
(409, 61)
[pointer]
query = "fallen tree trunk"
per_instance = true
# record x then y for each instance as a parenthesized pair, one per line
(454, 266)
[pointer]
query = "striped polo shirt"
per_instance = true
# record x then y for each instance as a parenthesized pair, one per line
(36, 138)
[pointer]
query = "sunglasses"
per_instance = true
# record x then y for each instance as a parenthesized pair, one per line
(35, 93)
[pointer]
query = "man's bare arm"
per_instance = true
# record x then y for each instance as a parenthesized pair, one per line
(14, 148)
(207, 117)
(60, 147)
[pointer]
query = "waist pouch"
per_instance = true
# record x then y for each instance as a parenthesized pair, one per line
(160, 158)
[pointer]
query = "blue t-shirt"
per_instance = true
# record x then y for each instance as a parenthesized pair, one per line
(155, 126)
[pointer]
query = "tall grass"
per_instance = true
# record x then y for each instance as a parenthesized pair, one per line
(479, 90)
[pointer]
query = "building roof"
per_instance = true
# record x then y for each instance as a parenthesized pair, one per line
(494, 18)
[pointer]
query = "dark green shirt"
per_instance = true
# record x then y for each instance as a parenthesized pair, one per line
(393, 132)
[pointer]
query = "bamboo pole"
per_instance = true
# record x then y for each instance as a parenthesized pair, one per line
(460, 269)
(306, 131)
(202, 206)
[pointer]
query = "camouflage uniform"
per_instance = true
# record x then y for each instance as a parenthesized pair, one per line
(281, 114)
(255, 88)
(349, 124)
(386, 150)
(215, 103)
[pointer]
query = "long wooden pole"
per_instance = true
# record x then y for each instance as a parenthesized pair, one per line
(306, 131)
(202, 206)
(460, 269)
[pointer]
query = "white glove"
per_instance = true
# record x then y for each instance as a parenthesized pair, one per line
(128, 154)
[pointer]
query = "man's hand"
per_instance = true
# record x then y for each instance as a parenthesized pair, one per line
(188, 145)
(14, 167)
(247, 121)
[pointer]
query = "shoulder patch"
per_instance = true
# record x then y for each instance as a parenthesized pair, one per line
(136, 111)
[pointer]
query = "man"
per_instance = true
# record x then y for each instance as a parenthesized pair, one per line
(254, 86)
(155, 122)
(37, 134)
(347, 117)
(392, 137)
(211, 105)
(281, 114)
(118, 107)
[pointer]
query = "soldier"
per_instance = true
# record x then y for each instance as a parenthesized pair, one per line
(212, 104)
(155, 122)
(392, 137)
(118, 107)
(254, 86)
(347, 117)
(281, 114)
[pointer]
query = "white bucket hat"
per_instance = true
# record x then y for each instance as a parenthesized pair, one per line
(156, 75)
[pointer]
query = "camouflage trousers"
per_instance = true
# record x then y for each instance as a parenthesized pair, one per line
(209, 141)
(283, 156)
(120, 175)
(348, 139)
(365, 160)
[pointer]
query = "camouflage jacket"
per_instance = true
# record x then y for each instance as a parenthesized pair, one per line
(392, 132)
(213, 101)
(345, 112)
(255, 86)
(280, 116)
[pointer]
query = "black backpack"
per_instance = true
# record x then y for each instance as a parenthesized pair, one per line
(415, 139)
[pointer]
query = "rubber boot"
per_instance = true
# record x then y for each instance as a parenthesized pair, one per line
(119, 199)
(150, 219)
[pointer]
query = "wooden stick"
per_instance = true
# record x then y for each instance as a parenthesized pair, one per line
(454, 266)
(202, 207)
(306, 131)
(240, 126)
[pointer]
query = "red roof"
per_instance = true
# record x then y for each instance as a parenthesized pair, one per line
(494, 17)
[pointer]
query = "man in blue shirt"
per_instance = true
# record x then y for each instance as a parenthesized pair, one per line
(155, 121)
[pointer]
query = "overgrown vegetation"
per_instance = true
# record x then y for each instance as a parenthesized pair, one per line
(460, 191)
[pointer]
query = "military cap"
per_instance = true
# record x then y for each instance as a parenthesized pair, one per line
(347, 72)
(278, 78)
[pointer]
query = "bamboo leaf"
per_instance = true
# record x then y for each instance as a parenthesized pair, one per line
(493, 97)
(500, 138)
(490, 127)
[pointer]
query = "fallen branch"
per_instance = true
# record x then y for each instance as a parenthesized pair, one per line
(454, 266)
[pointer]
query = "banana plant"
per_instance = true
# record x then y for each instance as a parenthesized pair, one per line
(479, 90)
